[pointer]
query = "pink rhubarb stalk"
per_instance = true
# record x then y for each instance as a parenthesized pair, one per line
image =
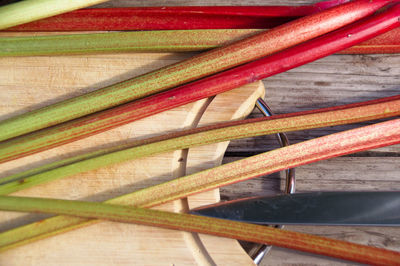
(290, 58)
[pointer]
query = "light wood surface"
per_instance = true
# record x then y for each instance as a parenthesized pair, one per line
(337, 79)
(111, 243)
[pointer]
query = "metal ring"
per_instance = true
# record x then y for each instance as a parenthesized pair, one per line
(290, 183)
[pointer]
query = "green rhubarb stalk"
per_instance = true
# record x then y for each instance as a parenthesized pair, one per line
(358, 112)
(137, 41)
(198, 224)
(214, 61)
(31, 10)
(158, 41)
(347, 142)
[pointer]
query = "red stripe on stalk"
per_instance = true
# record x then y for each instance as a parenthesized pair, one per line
(175, 18)
(262, 68)
(386, 43)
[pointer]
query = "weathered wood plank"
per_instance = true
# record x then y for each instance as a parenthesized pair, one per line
(336, 174)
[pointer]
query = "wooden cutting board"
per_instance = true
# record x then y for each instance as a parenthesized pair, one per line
(28, 83)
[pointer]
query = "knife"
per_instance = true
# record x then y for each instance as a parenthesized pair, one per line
(315, 208)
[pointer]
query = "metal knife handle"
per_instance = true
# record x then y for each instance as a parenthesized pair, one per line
(290, 187)
(283, 141)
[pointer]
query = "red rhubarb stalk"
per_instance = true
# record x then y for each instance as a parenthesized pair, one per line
(290, 58)
(175, 18)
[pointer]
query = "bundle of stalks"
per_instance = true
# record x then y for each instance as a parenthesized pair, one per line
(249, 55)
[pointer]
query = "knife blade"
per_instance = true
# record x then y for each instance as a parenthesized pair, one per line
(315, 208)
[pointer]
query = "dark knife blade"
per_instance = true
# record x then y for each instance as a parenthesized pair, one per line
(317, 208)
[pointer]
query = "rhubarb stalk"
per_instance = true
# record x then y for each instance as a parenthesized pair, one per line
(30, 10)
(198, 224)
(175, 18)
(159, 41)
(197, 67)
(262, 68)
(351, 141)
(138, 41)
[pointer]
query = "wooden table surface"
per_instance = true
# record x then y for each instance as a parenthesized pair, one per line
(334, 80)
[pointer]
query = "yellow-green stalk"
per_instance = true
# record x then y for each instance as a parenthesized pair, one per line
(30, 10)
(25, 44)
(136, 41)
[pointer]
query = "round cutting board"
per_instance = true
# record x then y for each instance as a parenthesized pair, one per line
(31, 82)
